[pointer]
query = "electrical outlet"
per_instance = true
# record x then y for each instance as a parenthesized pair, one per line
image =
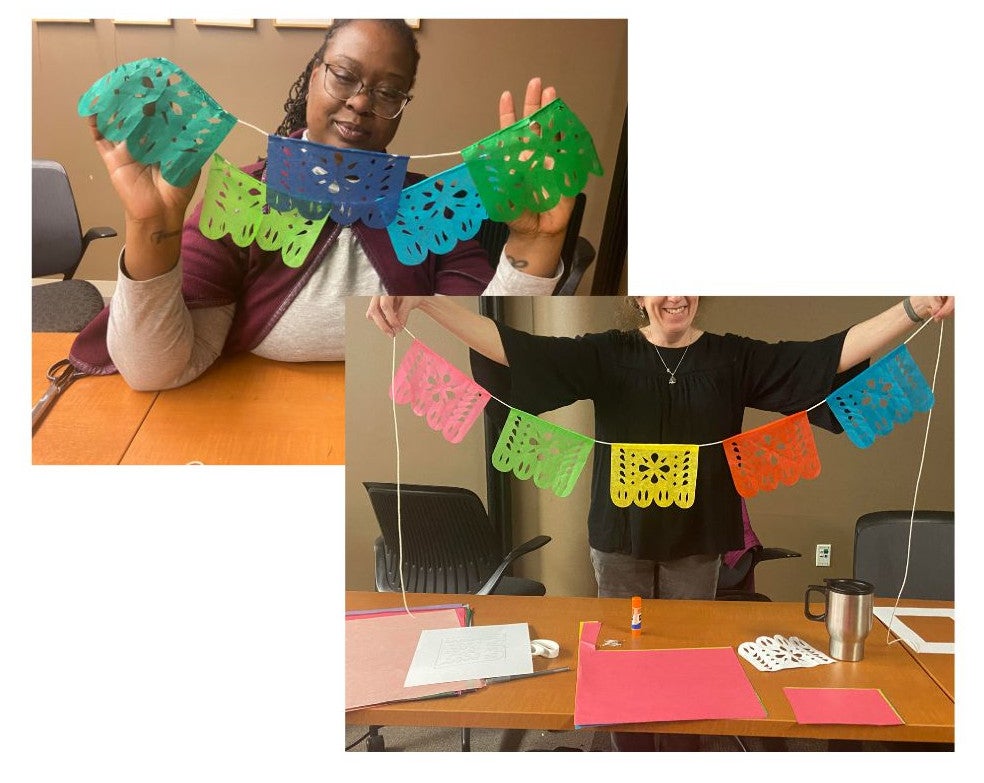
(823, 554)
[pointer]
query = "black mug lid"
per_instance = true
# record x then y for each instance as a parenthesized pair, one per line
(850, 586)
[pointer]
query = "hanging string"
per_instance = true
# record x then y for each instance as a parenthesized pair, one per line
(716, 442)
(253, 127)
(435, 155)
(915, 493)
(412, 157)
(399, 511)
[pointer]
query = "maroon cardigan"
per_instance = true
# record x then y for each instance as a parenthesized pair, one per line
(262, 286)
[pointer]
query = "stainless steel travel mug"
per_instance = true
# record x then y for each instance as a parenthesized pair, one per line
(848, 613)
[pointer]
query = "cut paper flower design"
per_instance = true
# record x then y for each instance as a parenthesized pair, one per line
(354, 184)
(161, 113)
(887, 393)
(448, 399)
(533, 162)
(533, 448)
(646, 473)
(435, 215)
(235, 204)
(773, 653)
(780, 452)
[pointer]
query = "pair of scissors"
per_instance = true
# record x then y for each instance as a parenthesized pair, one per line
(62, 375)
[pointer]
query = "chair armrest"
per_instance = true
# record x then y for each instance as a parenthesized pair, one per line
(382, 580)
(99, 232)
(775, 553)
(534, 543)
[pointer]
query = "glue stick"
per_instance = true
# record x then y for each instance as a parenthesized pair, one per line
(636, 616)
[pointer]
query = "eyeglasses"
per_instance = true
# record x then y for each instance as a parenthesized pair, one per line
(384, 102)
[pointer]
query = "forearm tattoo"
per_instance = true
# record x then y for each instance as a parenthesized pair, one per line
(158, 237)
(518, 263)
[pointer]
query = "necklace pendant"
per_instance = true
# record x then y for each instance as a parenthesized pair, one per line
(672, 379)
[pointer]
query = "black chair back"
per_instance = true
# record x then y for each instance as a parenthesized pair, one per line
(448, 542)
(881, 545)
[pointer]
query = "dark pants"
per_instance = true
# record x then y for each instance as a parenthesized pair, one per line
(623, 576)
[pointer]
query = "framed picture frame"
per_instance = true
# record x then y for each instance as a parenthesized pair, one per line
(144, 22)
(323, 23)
(246, 24)
(302, 23)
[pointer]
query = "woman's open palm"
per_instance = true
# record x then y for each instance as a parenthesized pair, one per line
(554, 220)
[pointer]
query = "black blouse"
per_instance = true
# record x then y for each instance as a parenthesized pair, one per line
(634, 402)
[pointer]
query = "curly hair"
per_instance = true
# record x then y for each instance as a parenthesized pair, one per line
(295, 108)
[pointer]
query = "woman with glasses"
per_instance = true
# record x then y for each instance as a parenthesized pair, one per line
(183, 299)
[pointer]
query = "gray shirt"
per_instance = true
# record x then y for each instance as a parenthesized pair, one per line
(156, 342)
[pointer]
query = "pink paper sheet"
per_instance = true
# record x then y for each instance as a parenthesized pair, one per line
(362, 614)
(856, 706)
(378, 652)
(638, 686)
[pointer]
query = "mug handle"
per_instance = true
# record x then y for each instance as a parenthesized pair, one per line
(806, 602)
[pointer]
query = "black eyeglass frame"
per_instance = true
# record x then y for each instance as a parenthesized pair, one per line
(370, 91)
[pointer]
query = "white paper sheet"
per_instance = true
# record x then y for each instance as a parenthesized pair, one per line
(452, 654)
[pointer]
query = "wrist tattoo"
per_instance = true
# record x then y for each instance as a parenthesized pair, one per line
(162, 236)
(518, 263)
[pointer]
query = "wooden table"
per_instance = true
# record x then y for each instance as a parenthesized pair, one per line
(245, 410)
(96, 419)
(548, 702)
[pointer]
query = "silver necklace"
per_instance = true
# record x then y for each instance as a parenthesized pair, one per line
(674, 370)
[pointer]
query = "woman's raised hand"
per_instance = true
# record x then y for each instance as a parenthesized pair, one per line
(935, 307)
(154, 210)
(142, 189)
(535, 238)
(390, 313)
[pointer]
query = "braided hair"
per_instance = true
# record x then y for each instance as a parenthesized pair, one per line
(295, 108)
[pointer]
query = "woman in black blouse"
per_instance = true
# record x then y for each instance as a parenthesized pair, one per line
(668, 382)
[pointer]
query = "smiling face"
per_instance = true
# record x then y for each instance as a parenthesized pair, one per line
(670, 317)
(378, 57)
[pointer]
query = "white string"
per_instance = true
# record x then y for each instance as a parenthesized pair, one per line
(399, 512)
(915, 493)
(258, 130)
(435, 155)
(411, 157)
(700, 445)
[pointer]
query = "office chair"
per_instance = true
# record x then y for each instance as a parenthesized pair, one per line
(449, 546)
(737, 583)
(68, 304)
(881, 543)
(736, 577)
(578, 253)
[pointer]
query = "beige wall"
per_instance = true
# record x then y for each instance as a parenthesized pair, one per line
(464, 67)
(853, 481)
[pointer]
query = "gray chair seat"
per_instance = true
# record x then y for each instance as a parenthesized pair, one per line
(64, 306)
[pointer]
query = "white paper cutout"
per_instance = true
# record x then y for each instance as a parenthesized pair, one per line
(772, 653)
